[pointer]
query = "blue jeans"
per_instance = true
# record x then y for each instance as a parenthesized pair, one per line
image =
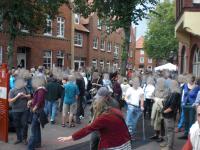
(51, 109)
(181, 120)
(132, 116)
(35, 138)
(189, 115)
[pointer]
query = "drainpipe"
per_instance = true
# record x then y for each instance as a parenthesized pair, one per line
(72, 37)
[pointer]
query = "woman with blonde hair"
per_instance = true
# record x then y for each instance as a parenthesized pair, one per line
(112, 136)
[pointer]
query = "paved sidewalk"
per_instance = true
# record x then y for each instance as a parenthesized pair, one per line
(51, 132)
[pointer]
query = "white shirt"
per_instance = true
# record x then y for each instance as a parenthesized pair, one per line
(134, 96)
(148, 91)
(195, 136)
(124, 88)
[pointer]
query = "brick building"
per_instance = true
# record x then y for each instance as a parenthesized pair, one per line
(142, 61)
(93, 45)
(188, 33)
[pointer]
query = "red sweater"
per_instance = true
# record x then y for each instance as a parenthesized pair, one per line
(113, 131)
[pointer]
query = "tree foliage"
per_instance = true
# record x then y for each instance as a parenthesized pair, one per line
(31, 14)
(117, 14)
(160, 41)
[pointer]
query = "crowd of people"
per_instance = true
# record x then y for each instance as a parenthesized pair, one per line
(36, 95)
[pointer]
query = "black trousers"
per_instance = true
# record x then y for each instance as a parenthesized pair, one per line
(80, 110)
(21, 124)
(148, 103)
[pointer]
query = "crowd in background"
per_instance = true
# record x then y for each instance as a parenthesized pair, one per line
(162, 97)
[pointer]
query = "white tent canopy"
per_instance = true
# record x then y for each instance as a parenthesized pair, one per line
(168, 66)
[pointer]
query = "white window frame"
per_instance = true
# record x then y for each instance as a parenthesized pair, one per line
(95, 42)
(76, 18)
(107, 29)
(116, 50)
(196, 63)
(109, 46)
(1, 19)
(99, 24)
(49, 25)
(196, 1)
(78, 39)
(150, 60)
(141, 52)
(108, 65)
(23, 28)
(60, 27)
(49, 57)
(102, 44)
(131, 53)
(149, 68)
(101, 62)
(142, 60)
(1, 54)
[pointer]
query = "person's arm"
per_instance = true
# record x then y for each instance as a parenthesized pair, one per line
(13, 99)
(97, 124)
(142, 102)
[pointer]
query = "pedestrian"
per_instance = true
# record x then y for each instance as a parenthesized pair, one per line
(117, 91)
(37, 107)
(170, 107)
(112, 136)
(18, 99)
(193, 142)
(70, 101)
(134, 98)
(54, 92)
(191, 90)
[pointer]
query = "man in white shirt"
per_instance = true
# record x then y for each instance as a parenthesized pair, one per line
(135, 100)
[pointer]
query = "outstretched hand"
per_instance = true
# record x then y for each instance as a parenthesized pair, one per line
(64, 139)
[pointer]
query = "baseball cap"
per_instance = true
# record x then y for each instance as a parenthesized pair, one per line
(102, 92)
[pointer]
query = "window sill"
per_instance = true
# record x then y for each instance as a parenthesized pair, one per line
(95, 48)
(78, 45)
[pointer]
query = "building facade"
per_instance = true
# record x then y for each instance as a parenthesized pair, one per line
(94, 45)
(188, 33)
(142, 61)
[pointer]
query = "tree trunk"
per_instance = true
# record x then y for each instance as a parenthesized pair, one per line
(125, 51)
(10, 52)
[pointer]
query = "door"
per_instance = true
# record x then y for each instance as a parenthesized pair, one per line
(21, 60)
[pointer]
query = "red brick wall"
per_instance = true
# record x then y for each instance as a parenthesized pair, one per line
(40, 43)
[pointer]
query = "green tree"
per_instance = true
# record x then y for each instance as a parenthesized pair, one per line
(160, 42)
(117, 14)
(30, 14)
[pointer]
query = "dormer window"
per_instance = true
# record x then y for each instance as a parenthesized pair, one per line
(76, 18)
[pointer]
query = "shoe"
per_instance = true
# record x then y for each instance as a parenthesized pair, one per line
(179, 130)
(163, 144)
(184, 137)
(72, 125)
(38, 146)
(63, 125)
(160, 140)
(25, 142)
(154, 137)
(53, 122)
(17, 142)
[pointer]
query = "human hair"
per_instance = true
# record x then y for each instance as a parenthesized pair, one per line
(38, 81)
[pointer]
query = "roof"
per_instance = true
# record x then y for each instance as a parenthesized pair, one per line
(80, 27)
(140, 42)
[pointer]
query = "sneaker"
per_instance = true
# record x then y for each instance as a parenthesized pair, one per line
(53, 122)
(179, 130)
(163, 144)
(25, 142)
(160, 140)
(154, 137)
(184, 137)
(17, 142)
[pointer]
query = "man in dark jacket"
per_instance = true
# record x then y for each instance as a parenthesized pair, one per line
(54, 91)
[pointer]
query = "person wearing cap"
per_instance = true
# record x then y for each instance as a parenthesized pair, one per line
(102, 93)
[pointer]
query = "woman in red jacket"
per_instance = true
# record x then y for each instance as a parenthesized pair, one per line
(111, 126)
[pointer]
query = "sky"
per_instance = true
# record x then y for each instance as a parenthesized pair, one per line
(141, 28)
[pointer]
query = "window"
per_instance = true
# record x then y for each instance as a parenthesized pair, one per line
(1, 21)
(183, 61)
(196, 63)
(60, 58)
(109, 46)
(99, 24)
(60, 26)
(101, 65)
(47, 59)
(131, 53)
(48, 29)
(1, 54)
(108, 66)
(95, 43)
(141, 59)
(78, 39)
(141, 52)
(76, 18)
(149, 68)
(196, 1)
(94, 63)
(102, 46)
(149, 60)
(116, 51)
(108, 29)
